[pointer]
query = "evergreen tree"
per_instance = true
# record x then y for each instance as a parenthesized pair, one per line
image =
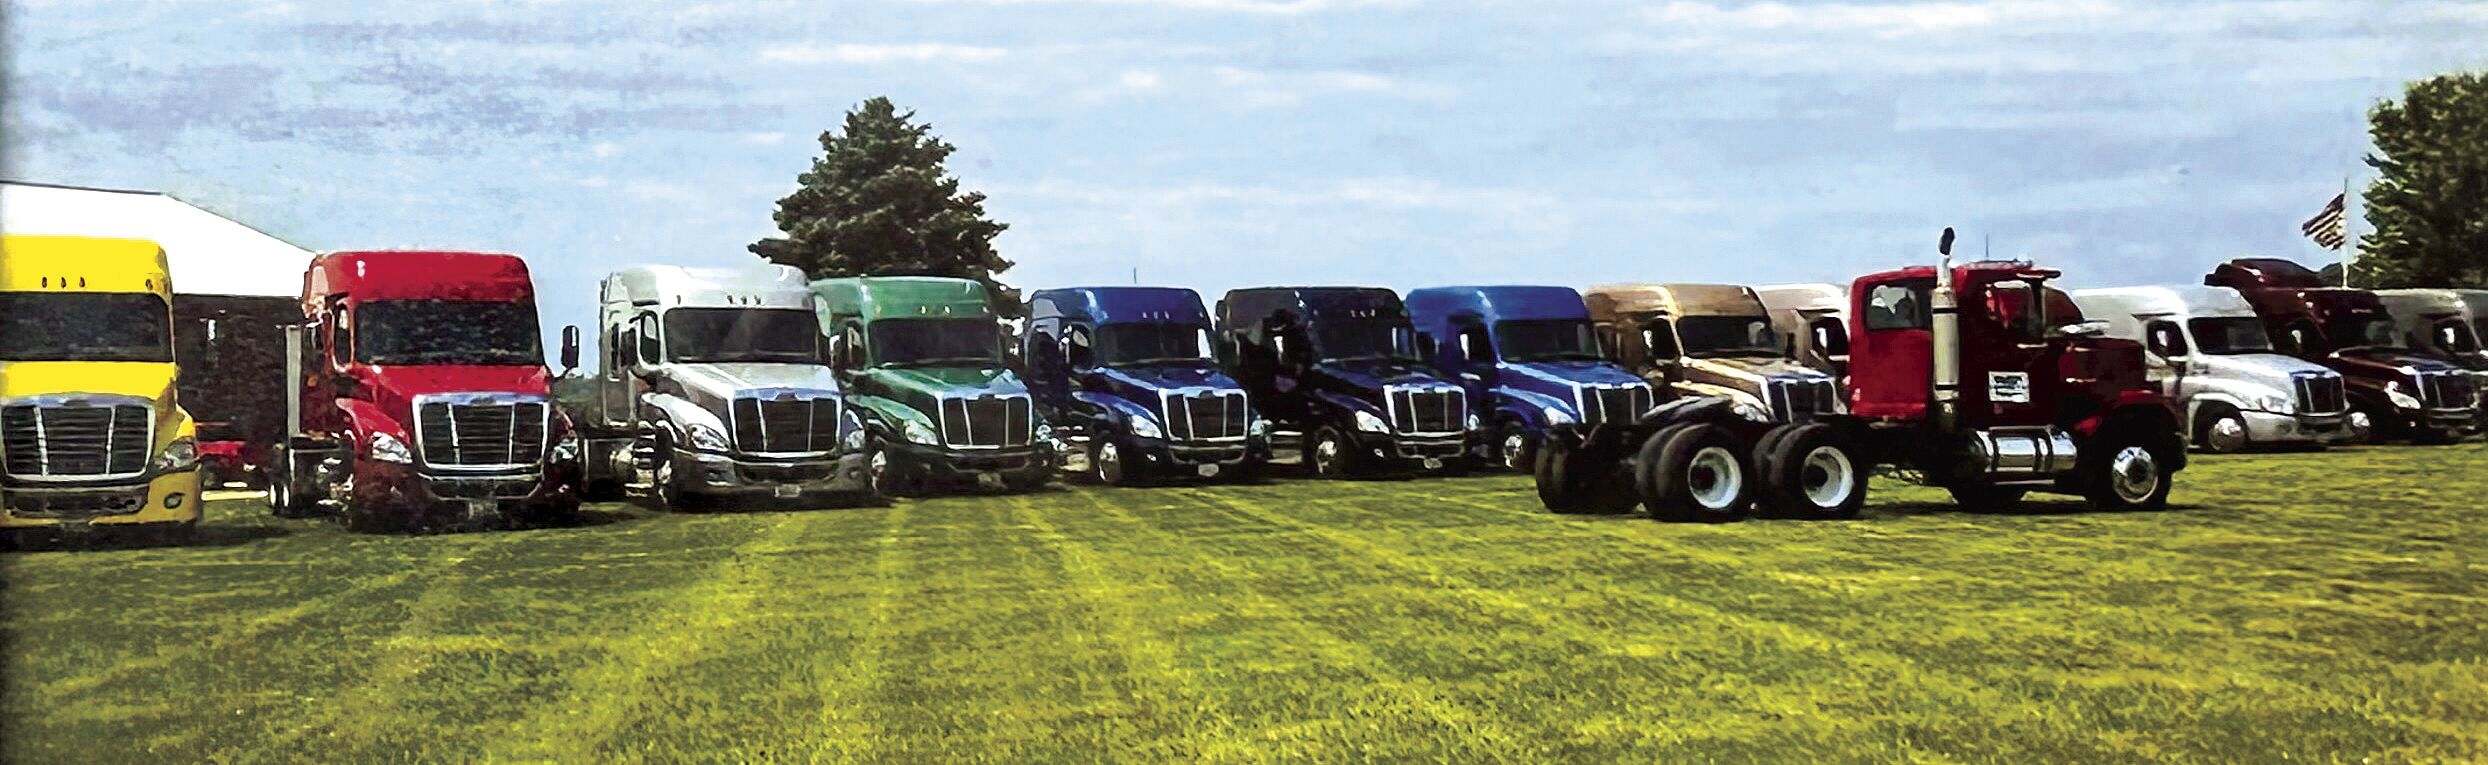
(2429, 203)
(879, 203)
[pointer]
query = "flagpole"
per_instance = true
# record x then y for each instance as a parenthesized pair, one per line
(2348, 255)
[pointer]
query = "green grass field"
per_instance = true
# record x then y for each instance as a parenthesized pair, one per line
(2304, 607)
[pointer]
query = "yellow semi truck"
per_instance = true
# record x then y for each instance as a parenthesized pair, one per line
(91, 436)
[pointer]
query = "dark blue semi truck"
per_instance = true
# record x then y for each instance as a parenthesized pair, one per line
(1339, 372)
(1530, 360)
(1125, 375)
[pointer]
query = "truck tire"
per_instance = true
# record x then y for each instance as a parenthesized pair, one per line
(665, 485)
(2223, 431)
(2362, 423)
(1108, 464)
(2127, 474)
(1515, 448)
(889, 479)
(1558, 477)
(1808, 473)
(1987, 497)
(1694, 472)
(1332, 455)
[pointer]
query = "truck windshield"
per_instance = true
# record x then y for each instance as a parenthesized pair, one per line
(1343, 340)
(1150, 343)
(725, 335)
(1717, 336)
(2362, 332)
(2456, 337)
(917, 342)
(2229, 336)
(417, 332)
(1526, 340)
(85, 326)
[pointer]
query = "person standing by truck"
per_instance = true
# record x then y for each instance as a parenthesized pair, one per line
(1126, 373)
(920, 359)
(1338, 371)
(1531, 362)
(710, 381)
(422, 396)
(92, 432)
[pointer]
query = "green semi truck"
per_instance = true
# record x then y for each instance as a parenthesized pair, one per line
(921, 358)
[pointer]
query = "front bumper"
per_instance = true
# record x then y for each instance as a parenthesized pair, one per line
(384, 484)
(2461, 420)
(1403, 448)
(1161, 456)
(2275, 428)
(944, 464)
(719, 474)
(166, 498)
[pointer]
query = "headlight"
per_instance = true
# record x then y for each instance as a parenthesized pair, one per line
(919, 432)
(181, 454)
(706, 438)
(2393, 390)
(2273, 402)
(1751, 412)
(387, 448)
(1143, 428)
(1555, 416)
(1366, 421)
(568, 449)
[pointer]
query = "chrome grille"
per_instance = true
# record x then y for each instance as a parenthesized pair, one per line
(1206, 415)
(1621, 403)
(785, 424)
(76, 440)
(1795, 398)
(1428, 410)
(482, 433)
(987, 422)
(2320, 393)
(2448, 390)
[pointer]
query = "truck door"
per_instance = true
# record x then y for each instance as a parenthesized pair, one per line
(614, 386)
(1476, 362)
(2008, 368)
(1893, 364)
(2165, 349)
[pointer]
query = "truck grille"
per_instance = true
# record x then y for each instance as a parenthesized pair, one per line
(989, 422)
(1796, 398)
(1205, 416)
(2320, 393)
(1621, 403)
(785, 425)
(2448, 390)
(1428, 410)
(78, 440)
(481, 433)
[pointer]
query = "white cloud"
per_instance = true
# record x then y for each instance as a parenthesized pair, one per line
(1137, 79)
(1257, 7)
(764, 139)
(1881, 20)
(855, 53)
(1257, 88)
(605, 149)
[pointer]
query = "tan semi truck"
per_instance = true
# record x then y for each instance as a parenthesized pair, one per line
(1710, 340)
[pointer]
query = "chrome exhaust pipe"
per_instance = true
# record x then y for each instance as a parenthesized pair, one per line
(1945, 326)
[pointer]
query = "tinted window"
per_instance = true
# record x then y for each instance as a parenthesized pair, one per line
(84, 326)
(447, 332)
(719, 335)
(2363, 331)
(1525, 340)
(1151, 342)
(2456, 338)
(933, 341)
(2230, 335)
(1896, 306)
(1714, 336)
(1365, 339)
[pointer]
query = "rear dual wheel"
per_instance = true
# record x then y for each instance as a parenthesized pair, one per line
(1693, 472)
(1808, 472)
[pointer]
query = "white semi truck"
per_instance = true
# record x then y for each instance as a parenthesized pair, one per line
(711, 385)
(2208, 351)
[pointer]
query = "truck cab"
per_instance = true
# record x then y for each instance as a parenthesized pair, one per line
(1339, 373)
(421, 395)
(1814, 318)
(2208, 352)
(712, 381)
(2445, 324)
(2394, 392)
(92, 432)
(1711, 340)
(1126, 376)
(1530, 360)
(921, 362)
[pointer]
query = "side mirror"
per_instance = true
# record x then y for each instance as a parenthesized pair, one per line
(570, 348)
(838, 353)
(2084, 329)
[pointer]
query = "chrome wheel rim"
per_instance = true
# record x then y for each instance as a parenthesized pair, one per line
(877, 466)
(2228, 434)
(1714, 477)
(2134, 474)
(1326, 456)
(664, 481)
(1513, 443)
(2361, 426)
(1109, 463)
(1827, 476)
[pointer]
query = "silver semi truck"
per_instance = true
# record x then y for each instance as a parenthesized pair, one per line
(2207, 350)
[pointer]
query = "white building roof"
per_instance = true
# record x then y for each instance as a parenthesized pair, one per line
(210, 254)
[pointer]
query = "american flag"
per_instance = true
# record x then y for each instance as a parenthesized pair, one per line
(2325, 227)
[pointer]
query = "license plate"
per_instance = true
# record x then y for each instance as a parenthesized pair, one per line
(1433, 463)
(789, 491)
(1207, 471)
(482, 508)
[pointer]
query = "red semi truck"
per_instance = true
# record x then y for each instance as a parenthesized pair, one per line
(1978, 378)
(422, 399)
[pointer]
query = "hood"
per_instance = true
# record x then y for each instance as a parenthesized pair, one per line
(2268, 369)
(2385, 363)
(939, 382)
(1747, 372)
(1372, 375)
(1160, 377)
(725, 380)
(148, 380)
(1553, 377)
(395, 388)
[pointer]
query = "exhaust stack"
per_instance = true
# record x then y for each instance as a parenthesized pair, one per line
(1945, 315)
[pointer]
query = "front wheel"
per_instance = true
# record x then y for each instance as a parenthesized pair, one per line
(1108, 462)
(2129, 476)
(1808, 473)
(1332, 454)
(889, 479)
(1558, 477)
(1515, 447)
(2226, 433)
(2362, 424)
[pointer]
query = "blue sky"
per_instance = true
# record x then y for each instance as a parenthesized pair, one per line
(1223, 143)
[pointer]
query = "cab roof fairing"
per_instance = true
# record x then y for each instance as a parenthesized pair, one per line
(1494, 304)
(31, 263)
(420, 275)
(2175, 301)
(1809, 299)
(902, 297)
(667, 286)
(1307, 303)
(1674, 300)
(1119, 305)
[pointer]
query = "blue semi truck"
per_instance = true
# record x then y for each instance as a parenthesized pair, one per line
(1126, 376)
(1339, 373)
(1530, 360)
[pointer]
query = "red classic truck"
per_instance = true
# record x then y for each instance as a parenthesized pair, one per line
(422, 399)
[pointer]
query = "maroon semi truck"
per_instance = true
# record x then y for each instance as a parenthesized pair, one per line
(1978, 378)
(2395, 393)
(422, 399)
